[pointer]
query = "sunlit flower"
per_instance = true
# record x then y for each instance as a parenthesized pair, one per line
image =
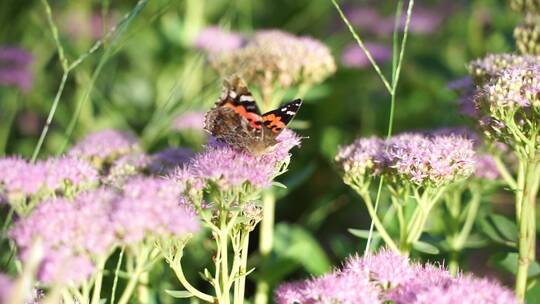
(388, 277)
(273, 56)
(424, 160)
(386, 268)
(483, 69)
(510, 98)
(228, 167)
(361, 157)
(430, 161)
(466, 290)
(336, 287)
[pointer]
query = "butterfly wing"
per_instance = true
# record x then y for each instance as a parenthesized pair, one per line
(235, 119)
(279, 118)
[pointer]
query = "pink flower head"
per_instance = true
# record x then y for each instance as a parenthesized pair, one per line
(388, 277)
(354, 57)
(362, 156)
(228, 167)
(214, 39)
(69, 172)
(72, 233)
(336, 287)
(152, 207)
(386, 268)
(466, 290)
(19, 178)
(105, 145)
(430, 160)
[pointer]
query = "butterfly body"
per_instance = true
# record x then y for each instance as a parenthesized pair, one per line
(236, 120)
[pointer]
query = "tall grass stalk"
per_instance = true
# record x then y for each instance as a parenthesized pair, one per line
(397, 62)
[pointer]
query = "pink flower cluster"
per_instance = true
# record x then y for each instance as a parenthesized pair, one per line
(388, 277)
(424, 160)
(105, 145)
(227, 167)
(75, 233)
(20, 178)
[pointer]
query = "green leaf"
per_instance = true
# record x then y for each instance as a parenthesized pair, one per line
(279, 185)
(294, 247)
(509, 263)
(487, 226)
(179, 294)
(425, 247)
(533, 294)
(475, 241)
(505, 227)
(361, 233)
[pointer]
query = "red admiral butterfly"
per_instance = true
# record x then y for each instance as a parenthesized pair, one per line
(236, 119)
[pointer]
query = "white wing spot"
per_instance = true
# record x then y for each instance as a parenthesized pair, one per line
(291, 112)
(233, 94)
(246, 98)
(284, 109)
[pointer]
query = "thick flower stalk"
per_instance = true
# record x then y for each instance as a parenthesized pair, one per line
(224, 186)
(509, 109)
(387, 277)
(421, 167)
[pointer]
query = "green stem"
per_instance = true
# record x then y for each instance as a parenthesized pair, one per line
(376, 221)
(474, 205)
(453, 263)
(141, 260)
(96, 295)
(116, 273)
(266, 239)
(505, 174)
(527, 225)
(243, 270)
(143, 294)
(177, 268)
(223, 244)
(50, 116)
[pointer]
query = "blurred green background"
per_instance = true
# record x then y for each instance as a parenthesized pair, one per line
(148, 71)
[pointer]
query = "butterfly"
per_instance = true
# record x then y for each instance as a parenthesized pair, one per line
(237, 120)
